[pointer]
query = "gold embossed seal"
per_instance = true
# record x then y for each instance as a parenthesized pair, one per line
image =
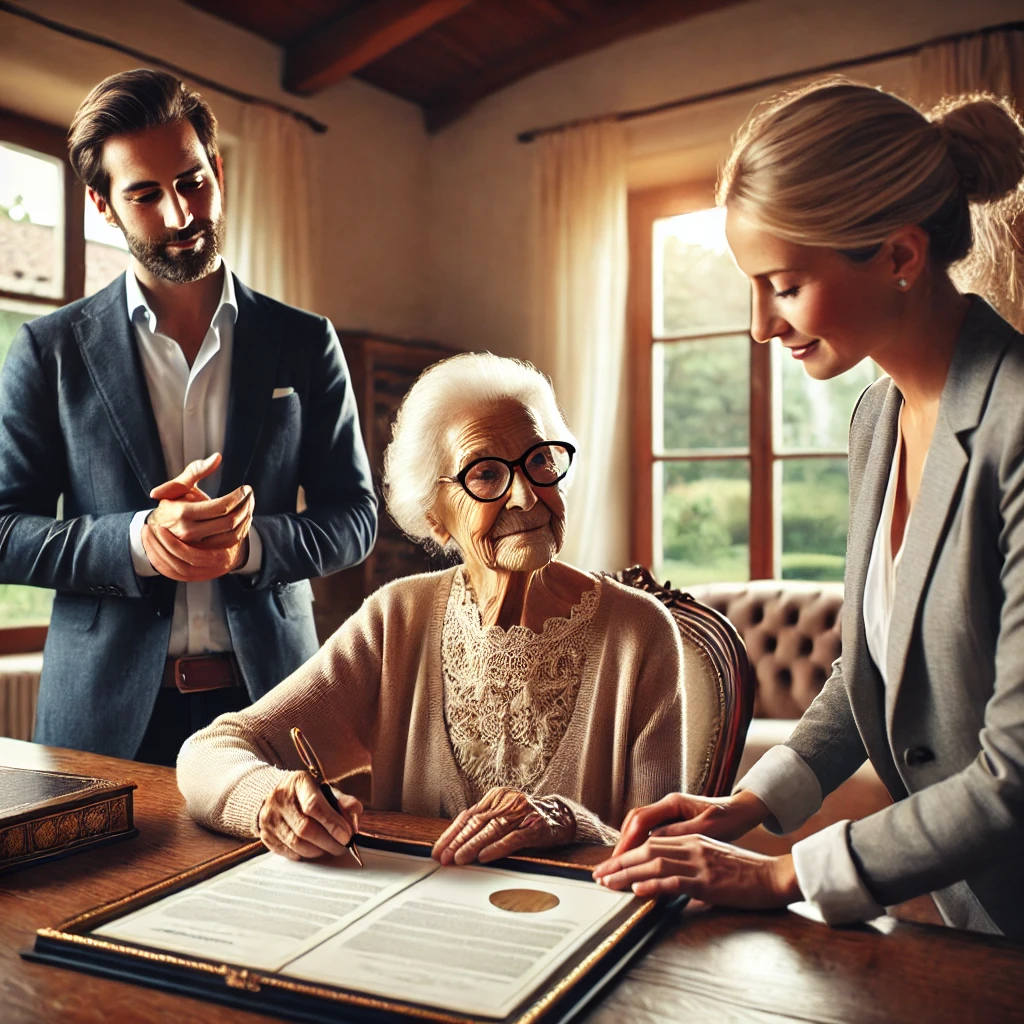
(524, 901)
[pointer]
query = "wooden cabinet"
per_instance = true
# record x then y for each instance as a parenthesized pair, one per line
(382, 371)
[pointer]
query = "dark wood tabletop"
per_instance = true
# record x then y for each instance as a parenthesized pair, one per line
(712, 966)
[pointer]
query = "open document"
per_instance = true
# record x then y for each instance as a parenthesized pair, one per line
(475, 940)
(266, 911)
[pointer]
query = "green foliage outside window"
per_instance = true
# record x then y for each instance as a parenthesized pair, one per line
(10, 321)
(702, 403)
(705, 521)
(814, 518)
(816, 413)
(19, 606)
(706, 393)
(703, 290)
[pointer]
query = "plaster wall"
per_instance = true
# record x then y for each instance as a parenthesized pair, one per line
(480, 176)
(369, 171)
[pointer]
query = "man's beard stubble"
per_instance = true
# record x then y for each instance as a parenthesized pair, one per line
(179, 267)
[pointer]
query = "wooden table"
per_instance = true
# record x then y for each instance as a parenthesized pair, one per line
(714, 966)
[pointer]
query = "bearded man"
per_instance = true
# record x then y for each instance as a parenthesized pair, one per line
(178, 412)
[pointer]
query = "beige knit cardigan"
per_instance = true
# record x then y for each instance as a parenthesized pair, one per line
(373, 695)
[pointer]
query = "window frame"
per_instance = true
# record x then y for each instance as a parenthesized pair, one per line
(49, 140)
(765, 462)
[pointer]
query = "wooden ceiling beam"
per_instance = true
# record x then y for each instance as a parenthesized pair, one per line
(349, 43)
(600, 29)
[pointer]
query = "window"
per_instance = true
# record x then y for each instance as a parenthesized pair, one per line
(53, 249)
(739, 457)
(106, 253)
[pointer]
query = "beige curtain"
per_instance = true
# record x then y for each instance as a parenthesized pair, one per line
(987, 63)
(269, 199)
(993, 63)
(580, 256)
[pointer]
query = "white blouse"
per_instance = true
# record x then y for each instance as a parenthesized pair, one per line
(880, 582)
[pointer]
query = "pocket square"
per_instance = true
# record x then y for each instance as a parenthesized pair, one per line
(282, 392)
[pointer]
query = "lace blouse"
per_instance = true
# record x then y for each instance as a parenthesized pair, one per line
(509, 694)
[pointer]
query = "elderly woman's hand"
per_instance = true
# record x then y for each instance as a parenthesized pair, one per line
(503, 822)
(705, 869)
(297, 822)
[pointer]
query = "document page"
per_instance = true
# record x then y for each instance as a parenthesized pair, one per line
(268, 910)
(470, 939)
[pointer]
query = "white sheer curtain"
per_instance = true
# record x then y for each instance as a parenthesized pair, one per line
(581, 257)
(269, 206)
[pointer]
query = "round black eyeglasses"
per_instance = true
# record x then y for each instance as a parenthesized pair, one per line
(490, 478)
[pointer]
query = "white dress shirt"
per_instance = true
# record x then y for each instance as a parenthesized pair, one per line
(824, 866)
(190, 406)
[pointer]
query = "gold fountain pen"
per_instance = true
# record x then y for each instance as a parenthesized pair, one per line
(312, 765)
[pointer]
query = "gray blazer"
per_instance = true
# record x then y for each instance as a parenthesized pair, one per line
(947, 738)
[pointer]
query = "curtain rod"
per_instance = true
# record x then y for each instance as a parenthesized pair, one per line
(207, 83)
(789, 76)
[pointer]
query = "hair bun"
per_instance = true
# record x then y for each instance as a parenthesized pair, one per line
(986, 144)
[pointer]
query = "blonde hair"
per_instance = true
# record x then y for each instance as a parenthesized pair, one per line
(420, 451)
(842, 165)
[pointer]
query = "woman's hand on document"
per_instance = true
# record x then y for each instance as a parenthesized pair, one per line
(675, 847)
(502, 823)
(297, 822)
(680, 814)
(705, 869)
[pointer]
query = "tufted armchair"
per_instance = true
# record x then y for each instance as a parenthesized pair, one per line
(792, 634)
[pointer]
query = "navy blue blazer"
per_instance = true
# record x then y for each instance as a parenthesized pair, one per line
(76, 419)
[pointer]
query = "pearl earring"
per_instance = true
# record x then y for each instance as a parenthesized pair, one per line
(901, 282)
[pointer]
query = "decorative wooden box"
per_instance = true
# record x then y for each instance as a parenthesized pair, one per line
(44, 815)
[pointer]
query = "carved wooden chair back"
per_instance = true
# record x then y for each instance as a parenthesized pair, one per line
(714, 656)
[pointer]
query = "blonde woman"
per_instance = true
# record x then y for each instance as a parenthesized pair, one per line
(849, 210)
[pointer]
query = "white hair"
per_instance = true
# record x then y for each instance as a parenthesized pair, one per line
(420, 452)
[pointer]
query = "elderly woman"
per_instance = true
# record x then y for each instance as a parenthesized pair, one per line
(533, 703)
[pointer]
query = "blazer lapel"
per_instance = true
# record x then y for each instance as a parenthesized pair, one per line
(867, 698)
(979, 348)
(254, 363)
(107, 343)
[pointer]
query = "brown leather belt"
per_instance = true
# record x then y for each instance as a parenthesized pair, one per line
(195, 673)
